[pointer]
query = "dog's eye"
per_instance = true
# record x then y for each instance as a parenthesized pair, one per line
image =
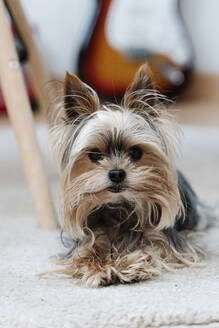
(95, 155)
(135, 153)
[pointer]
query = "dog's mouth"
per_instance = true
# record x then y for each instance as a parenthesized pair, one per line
(116, 188)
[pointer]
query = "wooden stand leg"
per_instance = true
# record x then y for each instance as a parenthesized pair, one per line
(38, 73)
(19, 110)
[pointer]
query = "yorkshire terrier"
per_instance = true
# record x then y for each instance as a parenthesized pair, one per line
(126, 207)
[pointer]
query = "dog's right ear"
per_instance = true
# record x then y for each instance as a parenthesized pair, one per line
(141, 94)
(79, 99)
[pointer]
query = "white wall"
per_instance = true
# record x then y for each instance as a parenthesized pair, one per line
(202, 20)
(60, 24)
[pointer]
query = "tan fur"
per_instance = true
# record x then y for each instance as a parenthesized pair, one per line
(96, 266)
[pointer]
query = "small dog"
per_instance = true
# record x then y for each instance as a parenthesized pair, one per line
(125, 205)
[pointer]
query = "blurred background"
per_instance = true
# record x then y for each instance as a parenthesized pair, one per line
(105, 41)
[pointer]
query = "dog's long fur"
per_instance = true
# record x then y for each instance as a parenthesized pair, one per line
(131, 231)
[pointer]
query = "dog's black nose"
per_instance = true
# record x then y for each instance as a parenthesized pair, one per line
(117, 175)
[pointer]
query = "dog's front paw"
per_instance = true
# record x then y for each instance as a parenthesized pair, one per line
(91, 273)
(97, 278)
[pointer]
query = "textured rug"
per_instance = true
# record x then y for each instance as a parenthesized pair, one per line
(187, 297)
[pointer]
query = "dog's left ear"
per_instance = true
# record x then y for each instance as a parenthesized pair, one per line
(80, 100)
(141, 93)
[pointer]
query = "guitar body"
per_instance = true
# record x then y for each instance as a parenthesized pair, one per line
(109, 68)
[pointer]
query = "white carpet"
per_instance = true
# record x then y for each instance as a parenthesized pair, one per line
(188, 297)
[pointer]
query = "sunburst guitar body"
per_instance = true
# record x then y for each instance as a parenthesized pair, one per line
(126, 33)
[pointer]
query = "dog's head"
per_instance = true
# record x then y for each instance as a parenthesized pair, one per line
(116, 153)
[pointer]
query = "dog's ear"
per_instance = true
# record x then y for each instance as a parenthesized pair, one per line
(79, 99)
(141, 93)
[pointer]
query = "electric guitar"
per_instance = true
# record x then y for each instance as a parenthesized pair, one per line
(126, 33)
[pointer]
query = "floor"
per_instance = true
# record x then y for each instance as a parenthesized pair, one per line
(200, 103)
(201, 113)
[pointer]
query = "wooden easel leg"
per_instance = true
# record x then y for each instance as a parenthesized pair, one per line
(38, 73)
(19, 110)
